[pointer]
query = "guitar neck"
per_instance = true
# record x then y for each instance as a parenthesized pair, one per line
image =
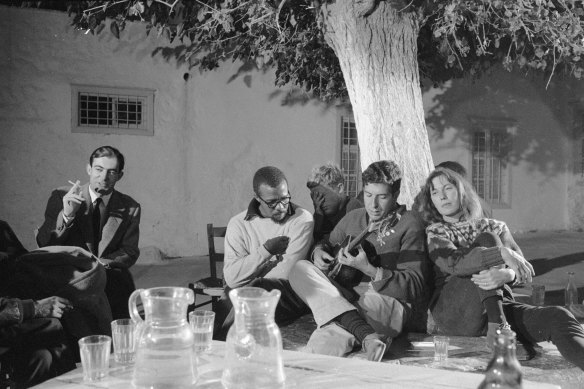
(356, 241)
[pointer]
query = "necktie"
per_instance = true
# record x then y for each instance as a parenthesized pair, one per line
(97, 215)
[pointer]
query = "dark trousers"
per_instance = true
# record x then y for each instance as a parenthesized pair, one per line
(555, 324)
(118, 288)
(289, 308)
(38, 350)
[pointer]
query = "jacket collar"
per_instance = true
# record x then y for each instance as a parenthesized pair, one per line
(253, 210)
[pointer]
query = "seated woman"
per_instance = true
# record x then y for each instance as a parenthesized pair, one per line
(467, 251)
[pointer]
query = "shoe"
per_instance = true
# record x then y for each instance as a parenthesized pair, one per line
(374, 346)
(525, 351)
(492, 331)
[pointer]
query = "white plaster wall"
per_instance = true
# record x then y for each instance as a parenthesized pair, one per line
(541, 147)
(211, 132)
(215, 129)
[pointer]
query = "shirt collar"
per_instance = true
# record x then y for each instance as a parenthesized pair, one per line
(94, 196)
(253, 210)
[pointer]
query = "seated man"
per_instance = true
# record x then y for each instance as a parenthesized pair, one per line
(396, 262)
(326, 184)
(262, 244)
(101, 220)
(31, 335)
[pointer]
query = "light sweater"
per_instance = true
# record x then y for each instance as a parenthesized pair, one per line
(245, 254)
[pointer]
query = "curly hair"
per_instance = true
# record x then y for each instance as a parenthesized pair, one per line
(383, 172)
(329, 174)
(469, 200)
(269, 175)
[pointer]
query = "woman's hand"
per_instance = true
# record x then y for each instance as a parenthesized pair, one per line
(520, 266)
(493, 278)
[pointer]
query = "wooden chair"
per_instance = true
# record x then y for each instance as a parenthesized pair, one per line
(210, 286)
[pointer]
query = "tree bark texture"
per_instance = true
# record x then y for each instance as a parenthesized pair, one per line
(378, 57)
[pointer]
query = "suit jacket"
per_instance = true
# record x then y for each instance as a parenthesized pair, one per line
(118, 246)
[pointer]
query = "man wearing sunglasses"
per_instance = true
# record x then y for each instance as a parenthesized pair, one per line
(262, 244)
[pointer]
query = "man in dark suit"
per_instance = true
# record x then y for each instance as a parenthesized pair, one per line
(100, 219)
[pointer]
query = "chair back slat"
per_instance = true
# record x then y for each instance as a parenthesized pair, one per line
(214, 256)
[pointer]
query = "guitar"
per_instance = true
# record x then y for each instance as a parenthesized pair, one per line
(347, 276)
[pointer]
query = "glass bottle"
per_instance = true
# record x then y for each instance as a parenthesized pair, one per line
(571, 292)
(504, 370)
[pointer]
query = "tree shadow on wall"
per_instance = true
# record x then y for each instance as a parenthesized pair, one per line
(289, 96)
(507, 95)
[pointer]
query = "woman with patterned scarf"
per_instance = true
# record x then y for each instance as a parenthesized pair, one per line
(475, 258)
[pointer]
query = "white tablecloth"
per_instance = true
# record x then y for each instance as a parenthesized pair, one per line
(305, 370)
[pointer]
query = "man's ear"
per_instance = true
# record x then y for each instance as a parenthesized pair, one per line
(341, 188)
(120, 175)
(88, 169)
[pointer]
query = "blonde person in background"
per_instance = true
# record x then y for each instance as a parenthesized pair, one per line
(327, 191)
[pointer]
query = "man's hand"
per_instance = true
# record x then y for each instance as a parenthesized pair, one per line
(72, 200)
(520, 266)
(493, 278)
(51, 307)
(359, 262)
(317, 201)
(322, 259)
(277, 245)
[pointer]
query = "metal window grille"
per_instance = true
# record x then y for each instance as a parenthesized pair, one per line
(489, 168)
(113, 110)
(350, 157)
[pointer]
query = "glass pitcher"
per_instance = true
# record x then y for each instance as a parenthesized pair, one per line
(165, 352)
(253, 359)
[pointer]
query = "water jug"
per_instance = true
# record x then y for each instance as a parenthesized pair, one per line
(253, 359)
(165, 352)
(504, 370)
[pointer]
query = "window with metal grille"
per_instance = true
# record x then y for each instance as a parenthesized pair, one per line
(128, 111)
(491, 144)
(350, 157)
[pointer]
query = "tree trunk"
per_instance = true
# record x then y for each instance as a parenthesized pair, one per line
(378, 57)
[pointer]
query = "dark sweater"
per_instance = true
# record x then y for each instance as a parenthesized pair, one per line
(401, 255)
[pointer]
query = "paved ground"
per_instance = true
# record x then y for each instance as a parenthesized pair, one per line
(553, 255)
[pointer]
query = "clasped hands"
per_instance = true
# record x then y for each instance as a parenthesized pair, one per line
(497, 276)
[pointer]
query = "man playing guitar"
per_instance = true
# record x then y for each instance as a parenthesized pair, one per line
(392, 254)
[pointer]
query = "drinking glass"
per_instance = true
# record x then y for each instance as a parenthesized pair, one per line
(202, 325)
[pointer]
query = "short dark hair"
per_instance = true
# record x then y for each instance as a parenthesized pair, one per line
(269, 175)
(454, 166)
(108, 151)
(383, 172)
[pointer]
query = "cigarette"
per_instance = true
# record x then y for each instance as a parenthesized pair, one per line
(73, 183)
